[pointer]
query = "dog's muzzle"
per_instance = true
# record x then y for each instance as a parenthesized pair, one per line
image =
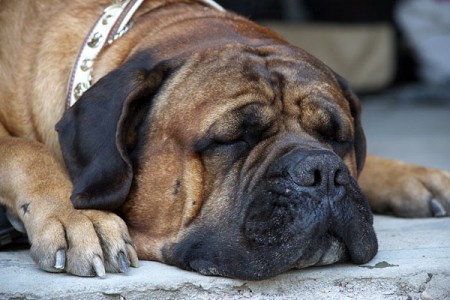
(299, 190)
(307, 210)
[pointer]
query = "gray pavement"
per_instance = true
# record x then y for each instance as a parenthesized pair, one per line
(417, 131)
(413, 261)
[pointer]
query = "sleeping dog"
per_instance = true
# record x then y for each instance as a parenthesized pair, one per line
(191, 136)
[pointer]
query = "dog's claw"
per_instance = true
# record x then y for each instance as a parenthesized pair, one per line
(60, 259)
(124, 263)
(99, 268)
(134, 260)
(437, 209)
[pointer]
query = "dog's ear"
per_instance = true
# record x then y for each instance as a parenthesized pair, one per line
(359, 136)
(98, 132)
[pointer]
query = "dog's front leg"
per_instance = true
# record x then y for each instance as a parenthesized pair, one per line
(405, 190)
(36, 190)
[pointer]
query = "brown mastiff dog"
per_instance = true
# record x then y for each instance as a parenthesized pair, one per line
(223, 149)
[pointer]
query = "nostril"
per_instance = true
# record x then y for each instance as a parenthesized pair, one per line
(321, 175)
(314, 169)
(317, 177)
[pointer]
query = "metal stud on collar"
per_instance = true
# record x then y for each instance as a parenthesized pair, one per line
(113, 20)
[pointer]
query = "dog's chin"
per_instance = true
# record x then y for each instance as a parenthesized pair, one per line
(219, 259)
(221, 251)
(335, 254)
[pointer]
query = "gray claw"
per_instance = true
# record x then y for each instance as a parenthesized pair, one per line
(60, 259)
(124, 263)
(99, 268)
(133, 256)
(437, 209)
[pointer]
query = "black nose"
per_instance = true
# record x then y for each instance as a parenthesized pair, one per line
(318, 169)
(299, 189)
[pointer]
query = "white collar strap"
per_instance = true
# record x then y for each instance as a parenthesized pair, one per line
(112, 24)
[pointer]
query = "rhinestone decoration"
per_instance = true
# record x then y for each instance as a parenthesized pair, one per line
(80, 89)
(86, 64)
(95, 40)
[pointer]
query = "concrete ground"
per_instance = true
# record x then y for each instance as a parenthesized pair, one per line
(413, 261)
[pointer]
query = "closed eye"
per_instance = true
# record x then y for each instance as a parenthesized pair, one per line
(242, 128)
(208, 144)
(326, 122)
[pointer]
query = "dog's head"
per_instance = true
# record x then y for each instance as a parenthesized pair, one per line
(236, 159)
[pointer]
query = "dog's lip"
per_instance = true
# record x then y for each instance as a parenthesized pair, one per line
(205, 267)
(335, 252)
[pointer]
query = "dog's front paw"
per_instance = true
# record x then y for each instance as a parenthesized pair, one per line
(407, 190)
(83, 243)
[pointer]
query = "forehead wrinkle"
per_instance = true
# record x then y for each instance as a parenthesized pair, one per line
(295, 84)
(331, 94)
(301, 69)
(221, 111)
(208, 90)
(252, 87)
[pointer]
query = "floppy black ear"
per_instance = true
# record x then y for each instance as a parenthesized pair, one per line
(94, 134)
(359, 136)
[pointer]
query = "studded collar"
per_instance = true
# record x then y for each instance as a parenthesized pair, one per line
(112, 24)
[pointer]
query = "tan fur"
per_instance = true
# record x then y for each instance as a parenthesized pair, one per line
(382, 178)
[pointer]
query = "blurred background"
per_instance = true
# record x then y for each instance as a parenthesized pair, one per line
(395, 54)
